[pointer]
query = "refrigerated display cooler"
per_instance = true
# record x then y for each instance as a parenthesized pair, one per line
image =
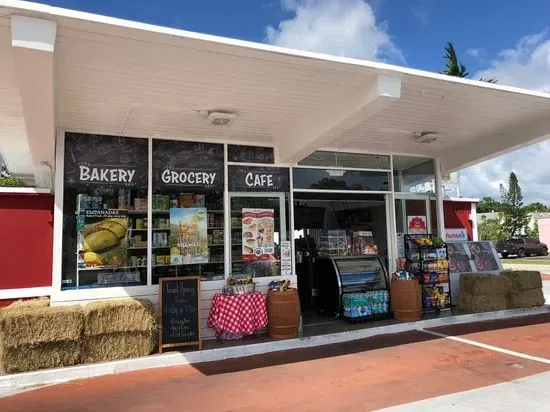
(354, 287)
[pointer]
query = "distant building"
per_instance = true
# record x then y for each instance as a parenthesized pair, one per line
(534, 218)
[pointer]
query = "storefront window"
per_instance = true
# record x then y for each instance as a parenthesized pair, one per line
(414, 174)
(250, 154)
(305, 178)
(352, 160)
(259, 203)
(105, 191)
(188, 213)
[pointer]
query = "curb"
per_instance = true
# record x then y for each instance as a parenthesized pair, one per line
(17, 382)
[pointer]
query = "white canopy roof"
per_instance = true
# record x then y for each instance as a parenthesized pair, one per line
(67, 70)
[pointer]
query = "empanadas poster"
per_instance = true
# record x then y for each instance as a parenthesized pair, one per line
(104, 238)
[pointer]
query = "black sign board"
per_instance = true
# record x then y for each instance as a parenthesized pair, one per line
(93, 160)
(180, 312)
(187, 166)
(250, 154)
(258, 179)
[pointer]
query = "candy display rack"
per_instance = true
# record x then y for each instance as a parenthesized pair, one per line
(427, 261)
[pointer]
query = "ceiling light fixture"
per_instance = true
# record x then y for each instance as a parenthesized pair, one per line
(221, 118)
(426, 137)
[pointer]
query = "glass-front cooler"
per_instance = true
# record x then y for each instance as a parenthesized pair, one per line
(355, 287)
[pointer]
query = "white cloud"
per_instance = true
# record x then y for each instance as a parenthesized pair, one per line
(342, 28)
(526, 65)
(422, 15)
(476, 53)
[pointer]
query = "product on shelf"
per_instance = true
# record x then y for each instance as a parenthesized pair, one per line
(140, 203)
(365, 304)
(427, 260)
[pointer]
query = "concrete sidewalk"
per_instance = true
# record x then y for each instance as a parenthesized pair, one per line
(524, 394)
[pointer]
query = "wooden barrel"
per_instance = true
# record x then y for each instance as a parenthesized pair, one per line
(406, 300)
(283, 312)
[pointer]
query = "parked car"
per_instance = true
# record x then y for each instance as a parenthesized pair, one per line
(521, 247)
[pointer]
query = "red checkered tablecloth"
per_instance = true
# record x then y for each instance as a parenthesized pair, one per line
(237, 315)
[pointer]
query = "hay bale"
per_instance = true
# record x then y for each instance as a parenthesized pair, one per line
(47, 355)
(480, 284)
(122, 315)
(114, 346)
(29, 303)
(481, 303)
(523, 279)
(526, 299)
(21, 326)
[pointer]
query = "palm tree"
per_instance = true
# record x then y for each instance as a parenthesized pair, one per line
(453, 67)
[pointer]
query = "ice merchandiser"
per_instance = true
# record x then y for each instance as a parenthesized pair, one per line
(339, 279)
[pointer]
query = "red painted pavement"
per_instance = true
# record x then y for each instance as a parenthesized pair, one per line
(355, 376)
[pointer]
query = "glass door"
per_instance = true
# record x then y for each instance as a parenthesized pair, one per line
(258, 226)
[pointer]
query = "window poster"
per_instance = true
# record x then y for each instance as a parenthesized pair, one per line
(188, 236)
(417, 225)
(102, 238)
(258, 226)
(286, 258)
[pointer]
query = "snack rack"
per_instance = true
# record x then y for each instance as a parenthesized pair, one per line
(430, 265)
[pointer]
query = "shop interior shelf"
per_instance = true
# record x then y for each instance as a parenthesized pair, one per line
(145, 247)
(144, 212)
(110, 268)
(155, 229)
(96, 268)
(255, 261)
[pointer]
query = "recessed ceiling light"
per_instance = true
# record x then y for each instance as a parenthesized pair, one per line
(426, 137)
(221, 118)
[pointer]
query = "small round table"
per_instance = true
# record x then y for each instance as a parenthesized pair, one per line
(233, 317)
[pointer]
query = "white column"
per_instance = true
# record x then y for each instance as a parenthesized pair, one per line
(439, 199)
(473, 219)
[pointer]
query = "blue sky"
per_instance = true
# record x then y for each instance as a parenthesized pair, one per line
(508, 40)
(420, 28)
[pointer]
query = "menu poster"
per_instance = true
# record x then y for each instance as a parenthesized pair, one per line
(417, 225)
(286, 258)
(102, 238)
(188, 236)
(258, 233)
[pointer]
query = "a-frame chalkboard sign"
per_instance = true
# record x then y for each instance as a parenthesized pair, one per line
(180, 324)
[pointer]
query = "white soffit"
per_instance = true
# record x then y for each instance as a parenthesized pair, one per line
(33, 42)
(121, 77)
(342, 114)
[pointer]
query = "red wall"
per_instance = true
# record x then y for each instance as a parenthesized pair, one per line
(26, 240)
(457, 216)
